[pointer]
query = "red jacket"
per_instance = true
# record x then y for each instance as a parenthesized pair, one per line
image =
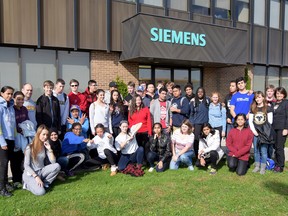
(141, 116)
(90, 98)
(78, 99)
(239, 143)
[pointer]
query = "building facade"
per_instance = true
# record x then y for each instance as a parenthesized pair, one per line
(207, 42)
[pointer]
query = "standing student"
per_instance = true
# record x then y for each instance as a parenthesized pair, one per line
(169, 85)
(76, 97)
(280, 125)
(239, 149)
(48, 107)
(227, 101)
(182, 146)
(7, 137)
(131, 92)
(37, 177)
(188, 88)
(112, 86)
(90, 94)
(27, 90)
(260, 121)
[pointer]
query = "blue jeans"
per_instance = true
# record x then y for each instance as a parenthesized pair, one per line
(185, 158)
(63, 162)
(260, 151)
(152, 157)
(136, 157)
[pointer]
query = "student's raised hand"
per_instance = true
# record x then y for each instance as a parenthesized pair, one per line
(109, 136)
(155, 136)
(47, 146)
(82, 119)
(70, 121)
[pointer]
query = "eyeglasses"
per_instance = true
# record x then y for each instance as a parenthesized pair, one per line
(78, 129)
(73, 85)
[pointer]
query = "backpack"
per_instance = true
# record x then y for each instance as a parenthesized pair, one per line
(196, 107)
(181, 101)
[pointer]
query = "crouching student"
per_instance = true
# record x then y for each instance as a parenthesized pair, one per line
(182, 146)
(239, 142)
(103, 142)
(160, 149)
(130, 151)
(210, 151)
(37, 177)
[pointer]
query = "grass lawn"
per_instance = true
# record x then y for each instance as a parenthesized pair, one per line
(179, 192)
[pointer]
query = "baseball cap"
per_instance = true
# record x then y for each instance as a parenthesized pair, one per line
(74, 107)
(140, 88)
(112, 84)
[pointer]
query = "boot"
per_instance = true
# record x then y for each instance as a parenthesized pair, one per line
(4, 192)
(263, 168)
(257, 167)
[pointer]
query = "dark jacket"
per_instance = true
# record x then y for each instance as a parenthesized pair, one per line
(43, 112)
(199, 114)
(161, 146)
(280, 115)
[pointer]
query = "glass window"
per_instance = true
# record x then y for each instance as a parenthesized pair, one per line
(38, 66)
(275, 14)
(9, 67)
(242, 10)
(152, 2)
(259, 78)
(163, 74)
(284, 78)
(201, 7)
(259, 12)
(145, 73)
(222, 9)
(286, 15)
(178, 4)
(273, 76)
(195, 78)
(74, 65)
(181, 77)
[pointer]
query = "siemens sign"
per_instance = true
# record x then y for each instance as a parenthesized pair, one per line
(177, 37)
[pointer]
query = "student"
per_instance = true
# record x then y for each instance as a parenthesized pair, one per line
(75, 97)
(77, 116)
(169, 85)
(145, 99)
(160, 149)
(112, 86)
(118, 110)
(260, 121)
(21, 115)
(241, 101)
(48, 107)
(27, 90)
(270, 95)
(127, 144)
(160, 110)
(239, 149)
(131, 92)
(217, 114)
(232, 91)
(179, 108)
(199, 107)
(99, 112)
(182, 146)
(7, 137)
(103, 142)
(188, 88)
(90, 94)
(210, 151)
(150, 91)
(37, 177)
(63, 99)
(280, 125)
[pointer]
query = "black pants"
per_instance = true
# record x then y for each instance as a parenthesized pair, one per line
(111, 158)
(220, 132)
(143, 140)
(240, 166)
(16, 167)
(197, 132)
(214, 156)
(5, 156)
(152, 157)
(279, 148)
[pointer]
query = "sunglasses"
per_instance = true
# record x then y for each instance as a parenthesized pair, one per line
(74, 85)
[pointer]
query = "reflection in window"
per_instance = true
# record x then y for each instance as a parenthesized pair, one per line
(259, 12)
(152, 2)
(286, 15)
(163, 74)
(178, 4)
(284, 78)
(275, 14)
(201, 7)
(259, 78)
(273, 76)
(222, 9)
(145, 73)
(242, 10)
(195, 78)
(181, 77)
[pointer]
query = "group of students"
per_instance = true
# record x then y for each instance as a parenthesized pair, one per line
(154, 126)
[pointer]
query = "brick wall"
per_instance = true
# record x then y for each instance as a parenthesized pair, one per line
(218, 79)
(105, 67)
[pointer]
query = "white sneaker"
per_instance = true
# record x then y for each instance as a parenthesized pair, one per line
(191, 168)
(24, 186)
(151, 169)
(113, 168)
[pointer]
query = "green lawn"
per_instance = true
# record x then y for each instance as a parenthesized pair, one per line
(179, 192)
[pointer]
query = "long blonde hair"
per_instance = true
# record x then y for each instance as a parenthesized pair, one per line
(37, 145)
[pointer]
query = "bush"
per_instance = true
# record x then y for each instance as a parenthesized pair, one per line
(122, 87)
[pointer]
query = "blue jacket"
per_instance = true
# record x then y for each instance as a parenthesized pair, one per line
(85, 125)
(7, 121)
(183, 104)
(217, 116)
(199, 113)
(72, 143)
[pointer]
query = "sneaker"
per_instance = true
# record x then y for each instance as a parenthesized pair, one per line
(213, 171)
(25, 186)
(278, 169)
(151, 169)
(191, 168)
(46, 185)
(105, 166)
(113, 173)
(5, 193)
(60, 178)
(69, 173)
(10, 187)
(17, 185)
(209, 167)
